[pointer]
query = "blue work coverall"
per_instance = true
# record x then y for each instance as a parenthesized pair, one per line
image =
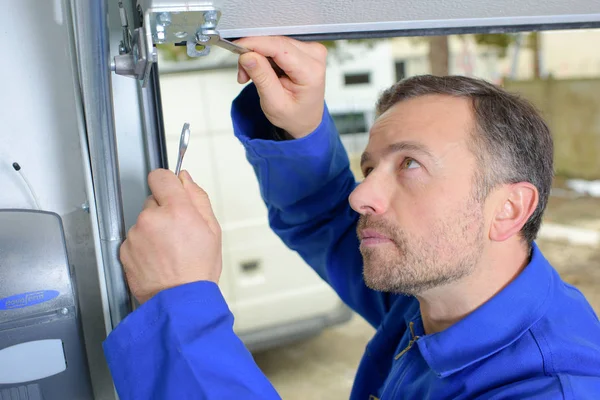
(536, 339)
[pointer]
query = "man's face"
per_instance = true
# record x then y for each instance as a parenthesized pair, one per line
(421, 225)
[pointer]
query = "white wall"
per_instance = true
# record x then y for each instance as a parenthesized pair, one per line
(571, 54)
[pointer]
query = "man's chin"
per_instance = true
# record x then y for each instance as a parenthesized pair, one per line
(377, 279)
(385, 285)
(376, 285)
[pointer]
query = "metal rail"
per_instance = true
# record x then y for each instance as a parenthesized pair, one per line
(93, 50)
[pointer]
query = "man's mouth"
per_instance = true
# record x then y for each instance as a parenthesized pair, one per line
(370, 237)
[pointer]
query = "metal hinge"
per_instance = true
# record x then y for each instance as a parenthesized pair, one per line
(162, 22)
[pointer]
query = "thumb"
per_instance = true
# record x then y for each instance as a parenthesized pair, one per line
(200, 200)
(262, 74)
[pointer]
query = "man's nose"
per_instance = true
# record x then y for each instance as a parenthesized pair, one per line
(372, 196)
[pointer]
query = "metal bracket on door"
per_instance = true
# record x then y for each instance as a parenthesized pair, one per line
(164, 21)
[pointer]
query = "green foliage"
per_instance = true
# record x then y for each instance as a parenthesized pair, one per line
(333, 44)
(501, 41)
(498, 41)
(334, 50)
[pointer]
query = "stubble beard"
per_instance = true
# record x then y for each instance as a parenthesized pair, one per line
(411, 266)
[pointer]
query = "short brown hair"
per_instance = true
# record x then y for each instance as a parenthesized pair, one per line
(511, 142)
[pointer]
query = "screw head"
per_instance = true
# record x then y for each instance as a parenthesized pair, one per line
(64, 311)
(163, 19)
(210, 18)
(200, 38)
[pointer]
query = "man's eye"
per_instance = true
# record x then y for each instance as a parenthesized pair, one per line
(409, 163)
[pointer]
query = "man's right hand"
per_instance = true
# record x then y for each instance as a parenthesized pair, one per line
(294, 102)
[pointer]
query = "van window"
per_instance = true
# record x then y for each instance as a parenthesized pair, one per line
(350, 122)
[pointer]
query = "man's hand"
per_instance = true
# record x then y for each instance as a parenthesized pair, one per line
(176, 239)
(294, 103)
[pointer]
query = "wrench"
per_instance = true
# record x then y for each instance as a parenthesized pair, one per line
(210, 37)
(183, 144)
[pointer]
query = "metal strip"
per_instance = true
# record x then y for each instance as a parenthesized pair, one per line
(445, 31)
(91, 29)
(154, 130)
(419, 27)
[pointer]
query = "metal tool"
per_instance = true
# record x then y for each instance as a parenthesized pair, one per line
(211, 37)
(183, 144)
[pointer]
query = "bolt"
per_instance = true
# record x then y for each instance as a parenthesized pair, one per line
(210, 19)
(64, 311)
(163, 19)
(85, 207)
(122, 49)
(210, 16)
(200, 38)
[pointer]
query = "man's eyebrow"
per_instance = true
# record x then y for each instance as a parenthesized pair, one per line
(400, 146)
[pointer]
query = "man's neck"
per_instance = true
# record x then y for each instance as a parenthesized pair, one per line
(444, 306)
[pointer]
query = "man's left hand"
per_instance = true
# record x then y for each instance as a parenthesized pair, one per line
(176, 239)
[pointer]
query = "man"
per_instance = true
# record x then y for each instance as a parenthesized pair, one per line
(435, 247)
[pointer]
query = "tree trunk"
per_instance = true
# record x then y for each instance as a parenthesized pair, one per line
(439, 55)
(537, 53)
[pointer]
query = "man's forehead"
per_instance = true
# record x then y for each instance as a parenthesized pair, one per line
(431, 120)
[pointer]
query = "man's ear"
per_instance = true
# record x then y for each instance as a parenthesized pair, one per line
(516, 204)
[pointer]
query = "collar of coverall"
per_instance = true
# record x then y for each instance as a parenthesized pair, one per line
(493, 326)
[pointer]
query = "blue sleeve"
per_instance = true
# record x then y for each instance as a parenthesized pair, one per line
(305, 184)
(181, 345)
